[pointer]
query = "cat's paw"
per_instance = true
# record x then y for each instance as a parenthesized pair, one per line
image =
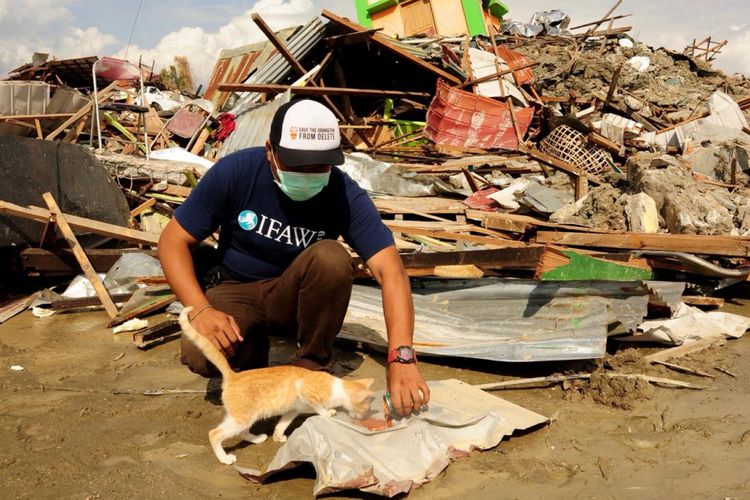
(228, 459)
(279, 438)
(260, 438)
(331, 412)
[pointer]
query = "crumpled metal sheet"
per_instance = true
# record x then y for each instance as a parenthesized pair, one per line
(506, 320)
(464, 120)
(553, 22)
(383, 178)
(346, 455)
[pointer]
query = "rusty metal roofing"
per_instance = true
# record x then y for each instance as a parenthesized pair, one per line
(234, 66)
(461, 119)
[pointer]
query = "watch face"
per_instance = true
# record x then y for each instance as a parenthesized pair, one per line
(405, 353)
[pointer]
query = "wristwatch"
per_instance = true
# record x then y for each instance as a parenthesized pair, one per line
(402, 354)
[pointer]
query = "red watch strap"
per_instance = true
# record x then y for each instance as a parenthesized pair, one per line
(393, 354)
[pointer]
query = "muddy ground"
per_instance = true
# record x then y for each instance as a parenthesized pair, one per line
(65, 433)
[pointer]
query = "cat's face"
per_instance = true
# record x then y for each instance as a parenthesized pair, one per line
(360, 396)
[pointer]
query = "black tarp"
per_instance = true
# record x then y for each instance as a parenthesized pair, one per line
(80, 185)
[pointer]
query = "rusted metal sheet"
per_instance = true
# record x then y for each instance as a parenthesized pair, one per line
(464, 120)
(233, 66)
(516, 60)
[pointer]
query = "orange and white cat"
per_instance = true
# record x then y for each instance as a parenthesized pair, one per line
(288, 391)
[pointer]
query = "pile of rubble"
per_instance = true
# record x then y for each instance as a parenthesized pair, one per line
(495, 154)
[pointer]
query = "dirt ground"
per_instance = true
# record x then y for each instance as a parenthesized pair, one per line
(74, 424)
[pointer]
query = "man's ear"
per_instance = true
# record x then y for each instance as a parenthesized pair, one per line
(269, 150)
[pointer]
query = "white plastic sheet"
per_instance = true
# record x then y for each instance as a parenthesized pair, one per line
(689, 324)
(346, 455)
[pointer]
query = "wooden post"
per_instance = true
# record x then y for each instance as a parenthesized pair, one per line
(80, 256)
(582, 187)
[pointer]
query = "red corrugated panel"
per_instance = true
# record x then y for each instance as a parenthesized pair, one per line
(216, 78)
(516, 60)
(462, 119)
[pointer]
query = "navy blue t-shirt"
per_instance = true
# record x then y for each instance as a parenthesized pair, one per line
(262, 229)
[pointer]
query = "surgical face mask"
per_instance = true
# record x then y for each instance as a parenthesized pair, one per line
(301, 186)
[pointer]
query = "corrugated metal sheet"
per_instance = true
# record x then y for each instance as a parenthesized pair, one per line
(254, 126)
(253, 122)
(22, 98)
(230, 70)
(464, 120)
(506, 320)
(299, 45)
(234, 66)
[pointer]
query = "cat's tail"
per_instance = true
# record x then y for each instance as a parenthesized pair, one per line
(205, 345)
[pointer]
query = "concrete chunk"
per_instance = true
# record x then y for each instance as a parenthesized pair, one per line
(641, 213)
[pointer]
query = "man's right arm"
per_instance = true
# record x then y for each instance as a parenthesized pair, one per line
(177, 262)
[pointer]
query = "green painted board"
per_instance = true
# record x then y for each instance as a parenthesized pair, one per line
(474, 17)
(363, 14)
(585, 268)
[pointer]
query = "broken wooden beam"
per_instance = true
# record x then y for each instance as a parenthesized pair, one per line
(384, 42)
(157, 334)
(144, 301)
(337, 91)
(685, 349)
(500, 258)
(557, 163)
(83, 260)
(81, 223)
(41, 262)
(730, 246)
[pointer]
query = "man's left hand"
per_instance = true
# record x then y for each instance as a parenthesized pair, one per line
(405, 384)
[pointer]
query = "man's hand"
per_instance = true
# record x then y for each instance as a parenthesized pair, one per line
(405, 384)
(220, 328)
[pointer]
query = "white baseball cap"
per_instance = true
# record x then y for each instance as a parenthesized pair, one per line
(304, 132)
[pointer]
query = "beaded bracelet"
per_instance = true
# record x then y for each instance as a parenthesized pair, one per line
(207, 306)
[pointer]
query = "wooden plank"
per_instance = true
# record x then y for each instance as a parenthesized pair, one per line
(81, 223)
(499, 258)
(157, 334)
(64, 304)
(37, 261)
(15, 307)
(699, 301)
(483, 240)
(80, 255)
(144, 301)
(383, 42)
(35, 117)
(685, 349)
(430, 205)
(38, 126)
(338, 91)
(197, 148)
(730, 246)
(517, 223)
(142, 207)
(557, 163)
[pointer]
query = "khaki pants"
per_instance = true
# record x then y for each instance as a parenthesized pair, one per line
(309, 300)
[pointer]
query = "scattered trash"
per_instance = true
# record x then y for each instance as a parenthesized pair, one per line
(132, 325)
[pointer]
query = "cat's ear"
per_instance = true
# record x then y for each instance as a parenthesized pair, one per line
(366, 382)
